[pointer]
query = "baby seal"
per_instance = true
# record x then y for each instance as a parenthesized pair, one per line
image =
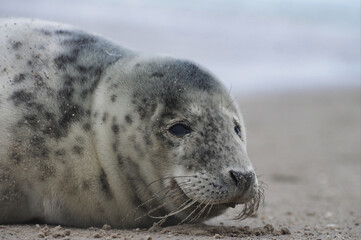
(94, 133)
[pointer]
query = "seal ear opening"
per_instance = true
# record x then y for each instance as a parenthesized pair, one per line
(180, 129)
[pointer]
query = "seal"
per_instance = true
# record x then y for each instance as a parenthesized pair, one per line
(93, 133)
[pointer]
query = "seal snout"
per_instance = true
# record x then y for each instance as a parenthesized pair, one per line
(242, 180)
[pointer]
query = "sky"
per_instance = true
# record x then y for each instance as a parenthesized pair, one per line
(251, 46)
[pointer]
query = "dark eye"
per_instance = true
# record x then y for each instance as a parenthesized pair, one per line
(237, 129)
(180, 130)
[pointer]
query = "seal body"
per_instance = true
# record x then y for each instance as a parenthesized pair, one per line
(93, 133)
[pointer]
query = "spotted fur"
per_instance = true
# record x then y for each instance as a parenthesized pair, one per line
(84, 129)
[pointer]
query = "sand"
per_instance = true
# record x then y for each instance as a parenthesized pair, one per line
(305, 147)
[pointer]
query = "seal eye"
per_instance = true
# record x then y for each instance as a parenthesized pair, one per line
(237, 129)
(180, 130)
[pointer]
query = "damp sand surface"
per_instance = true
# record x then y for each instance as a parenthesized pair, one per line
(305, 147)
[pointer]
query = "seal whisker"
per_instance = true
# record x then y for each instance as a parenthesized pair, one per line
(160, 206)
(172, 194)
(155, 196)
(189, 215)
(200, 212)
(175, 212)
(250, 207)
(209, 210)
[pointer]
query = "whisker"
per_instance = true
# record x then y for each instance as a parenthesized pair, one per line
(189, 215)
(155, 196)
(160, 206)
(252, 206)
(175, 212)
(209, 210)
(167, 192)
(200, 212)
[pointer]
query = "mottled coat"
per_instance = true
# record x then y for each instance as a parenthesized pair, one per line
(87, 133)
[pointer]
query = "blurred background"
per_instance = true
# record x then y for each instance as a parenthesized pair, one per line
(294, 67)
(252, 46)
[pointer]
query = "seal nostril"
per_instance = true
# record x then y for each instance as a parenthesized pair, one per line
(233, 176)
(244, 180)
(236, 177)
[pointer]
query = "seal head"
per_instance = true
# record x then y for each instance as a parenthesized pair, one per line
(193, 140)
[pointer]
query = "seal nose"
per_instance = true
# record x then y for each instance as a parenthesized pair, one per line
(242, 180)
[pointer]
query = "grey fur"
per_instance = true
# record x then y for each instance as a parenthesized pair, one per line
(85, 134)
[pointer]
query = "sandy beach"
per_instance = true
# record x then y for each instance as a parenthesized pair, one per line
(305, 147)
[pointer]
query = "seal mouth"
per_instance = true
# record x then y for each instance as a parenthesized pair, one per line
(232, 205)
(251, 204)
(196, 209)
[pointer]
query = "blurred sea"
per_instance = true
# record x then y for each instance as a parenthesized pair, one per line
(252, 46)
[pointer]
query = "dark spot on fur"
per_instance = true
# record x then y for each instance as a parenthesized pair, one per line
(66, 92)
(49, 116)
(157, 74)
(16, 45)
(31, 120)
(38, 80)
(86, 126)
(21, 96)
(45, 32)
(60, 152)
(79, 39)
(64, 59)
(120, 160)
(115, 128)
(86, 185)
(113, 98)
(103, 180)
(63, 32)
(80, 139)
(168, 115)
(82, 69)
(15, 156)
(105, 117)
(84, 93)
(128, 119)
(145, 107)
(38, 147)
(147, 139)
(78, 149)
(46, 171)
(70, 114)
(19, 78)
(113, 86)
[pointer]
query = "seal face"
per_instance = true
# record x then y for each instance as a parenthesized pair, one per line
(93, 133)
